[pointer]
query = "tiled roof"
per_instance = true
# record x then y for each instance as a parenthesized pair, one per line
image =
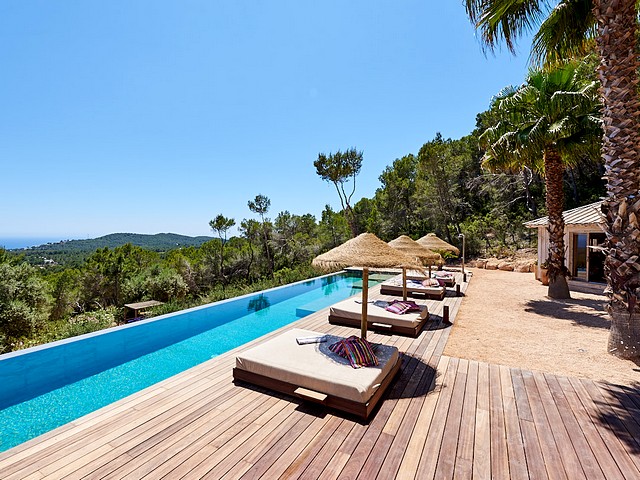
(584, 215)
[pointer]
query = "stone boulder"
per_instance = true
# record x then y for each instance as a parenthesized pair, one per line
(505, 266)
(521, 267)
(492, 264)
(480, 263)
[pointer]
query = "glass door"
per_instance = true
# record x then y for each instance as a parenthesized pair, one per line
(579, 256)
(596, 257)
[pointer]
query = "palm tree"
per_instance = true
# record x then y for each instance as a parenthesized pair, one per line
(549, 122)
(563, 30)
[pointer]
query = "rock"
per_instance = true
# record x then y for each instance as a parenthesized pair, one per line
(492, 264)
(505, 266)
(525, 266)
(481, 263)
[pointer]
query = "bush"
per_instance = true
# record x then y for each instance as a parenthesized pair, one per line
(73, 326)
(23, 304)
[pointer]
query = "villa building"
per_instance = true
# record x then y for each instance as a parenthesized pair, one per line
(583, 237)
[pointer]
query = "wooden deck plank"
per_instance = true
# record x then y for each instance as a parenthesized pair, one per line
(624, 421)
(610, 427)
(271, 453)
(413, 453)
(249, 433)
(343, 454)
(499, 451)
(301, 459)
(464, 454)
(415, 371)
(257, 439)
(451, 435)
(597, 439)
(326, 453)
(363, 449)
(428, 462)
(175, 438)
(81, 449)
(567, 453)
(548, 446)
(530, 440)
(578, 437)
(515, 447)
(482, 439)
(400, 447)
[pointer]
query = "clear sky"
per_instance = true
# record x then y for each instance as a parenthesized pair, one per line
(154, 116)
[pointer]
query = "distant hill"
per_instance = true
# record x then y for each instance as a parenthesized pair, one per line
(71, 252)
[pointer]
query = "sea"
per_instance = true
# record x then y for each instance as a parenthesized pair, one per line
(11, 243)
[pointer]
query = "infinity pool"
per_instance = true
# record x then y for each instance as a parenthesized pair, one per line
(44, 387)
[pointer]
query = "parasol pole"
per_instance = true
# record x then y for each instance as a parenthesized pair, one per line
(404, 283)
(365, 301)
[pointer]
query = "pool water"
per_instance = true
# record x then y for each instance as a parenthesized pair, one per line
(48, 386)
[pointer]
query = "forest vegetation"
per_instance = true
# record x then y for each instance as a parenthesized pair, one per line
(446, 187)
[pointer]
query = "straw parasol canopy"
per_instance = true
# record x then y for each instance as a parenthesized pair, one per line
(410, 247)
(432, 242)
(366, 250)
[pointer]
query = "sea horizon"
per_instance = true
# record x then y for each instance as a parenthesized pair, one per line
(25, 241)
(12, 243)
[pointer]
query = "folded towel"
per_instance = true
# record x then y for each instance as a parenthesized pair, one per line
(314, 339)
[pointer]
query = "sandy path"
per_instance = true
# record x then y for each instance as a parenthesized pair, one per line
(507, 319)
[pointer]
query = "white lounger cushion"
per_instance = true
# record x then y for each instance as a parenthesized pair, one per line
(315, 367)
(395, 284)
(351, 309)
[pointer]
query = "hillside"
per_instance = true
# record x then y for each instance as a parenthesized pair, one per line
(73, 252)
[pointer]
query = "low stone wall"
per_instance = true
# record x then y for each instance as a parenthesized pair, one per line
(505, 264)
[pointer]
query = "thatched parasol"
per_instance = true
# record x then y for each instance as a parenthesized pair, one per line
(410, 247)
(432, 242)
(366, 250)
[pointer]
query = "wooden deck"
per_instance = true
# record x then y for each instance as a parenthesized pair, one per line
(442, 418)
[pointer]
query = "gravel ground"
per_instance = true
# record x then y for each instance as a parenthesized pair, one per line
(507, 319)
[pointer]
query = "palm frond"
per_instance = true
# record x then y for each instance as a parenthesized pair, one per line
(555, 109)
(499, 20)
(565, 33)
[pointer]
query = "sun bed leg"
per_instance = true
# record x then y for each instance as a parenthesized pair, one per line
(445, 313)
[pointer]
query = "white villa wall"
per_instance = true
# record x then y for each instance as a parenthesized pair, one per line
(543, 243)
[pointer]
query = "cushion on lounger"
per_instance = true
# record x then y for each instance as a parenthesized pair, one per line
(431, 282)
(401, 307)
(356, 350)
(349, 309)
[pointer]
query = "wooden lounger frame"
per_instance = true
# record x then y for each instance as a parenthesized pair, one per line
(434, 294)
(362, 410)
(379, 326)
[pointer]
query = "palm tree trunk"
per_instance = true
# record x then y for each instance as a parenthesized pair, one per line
(553, 173)
(616, 41)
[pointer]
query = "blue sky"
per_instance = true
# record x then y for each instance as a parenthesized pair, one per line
(154, 116)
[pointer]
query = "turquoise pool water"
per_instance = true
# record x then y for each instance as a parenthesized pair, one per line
(45, 387)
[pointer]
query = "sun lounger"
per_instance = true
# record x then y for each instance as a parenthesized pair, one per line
(448, 277)
(313, 372)
(349, 312)
(393, 286)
